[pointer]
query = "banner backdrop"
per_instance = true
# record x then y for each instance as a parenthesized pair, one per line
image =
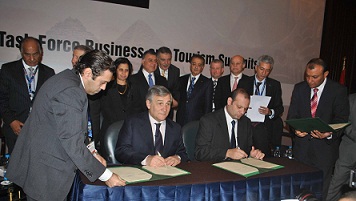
(289, 31)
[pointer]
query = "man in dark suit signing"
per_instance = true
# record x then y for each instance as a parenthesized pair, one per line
(144, 79)
(50, 148)
(150, 138)
(226, 133)
(196, 92)
(267, 134)
(19, 82)
(321, 97)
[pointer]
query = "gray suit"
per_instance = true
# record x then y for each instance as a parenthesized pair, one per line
(50, 147)
(347, 155)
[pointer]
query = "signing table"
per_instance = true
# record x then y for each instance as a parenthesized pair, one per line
(210, 183)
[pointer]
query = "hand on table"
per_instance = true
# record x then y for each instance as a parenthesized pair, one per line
(115, 180)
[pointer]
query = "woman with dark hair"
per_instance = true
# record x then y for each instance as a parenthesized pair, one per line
(115, 101)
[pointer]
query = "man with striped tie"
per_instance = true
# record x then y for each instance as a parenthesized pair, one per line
(318, 96)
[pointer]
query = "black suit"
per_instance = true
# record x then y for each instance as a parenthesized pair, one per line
(223, 90)
(333, 107)
(198, 104)
(135, 140)
(212, 141)
(263, 133)
(172, 83)
(139, 90)
(15, 102)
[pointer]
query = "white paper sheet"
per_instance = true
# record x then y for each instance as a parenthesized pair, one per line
(255, 103)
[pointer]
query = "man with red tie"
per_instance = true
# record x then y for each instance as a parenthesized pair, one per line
(321, 97)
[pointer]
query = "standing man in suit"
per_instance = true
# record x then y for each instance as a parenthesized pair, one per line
(196, 92)
(228, 83)
(150, 138)
(268, 133)
(347, 156)
(19, 82)
(321, 97)
(169, 71)
(226, 133)
(144, 79)
(51, 147)
(216, 71)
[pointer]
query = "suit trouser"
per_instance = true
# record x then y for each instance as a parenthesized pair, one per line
(261, 138)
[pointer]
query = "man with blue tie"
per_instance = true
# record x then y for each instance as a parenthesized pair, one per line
(226, 133)
(144, 79)
(267, 134)
(150, 138)
(216, 71)
(196, 93)
(19, 82)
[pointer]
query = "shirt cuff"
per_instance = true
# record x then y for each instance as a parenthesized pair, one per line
(106, 175)
(272, 114)
(144, 162)
(330, 137)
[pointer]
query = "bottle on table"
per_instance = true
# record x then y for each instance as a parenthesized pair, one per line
(289, 153)
(277, 152)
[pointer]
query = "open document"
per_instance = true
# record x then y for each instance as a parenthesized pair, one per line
(260, 163)
(131, 174)
(237, 168)
(166, 170)
(255, 103)
(310, 124)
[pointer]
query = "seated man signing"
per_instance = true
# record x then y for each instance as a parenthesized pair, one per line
(226, 133)
(149, 138)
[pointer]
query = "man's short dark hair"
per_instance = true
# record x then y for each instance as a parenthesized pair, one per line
(239, 91)
(97, 60)
(197, 56)
(85, 48)
(317, 61)
(150, 51)
(164, 50)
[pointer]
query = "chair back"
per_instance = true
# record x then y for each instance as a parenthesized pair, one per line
(189, 132)
(110, 140)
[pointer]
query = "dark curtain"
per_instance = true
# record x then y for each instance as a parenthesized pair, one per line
(339, 40)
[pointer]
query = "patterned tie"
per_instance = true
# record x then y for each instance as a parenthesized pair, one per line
(257, 91)
(191, 87)
(314, 102)
(233, 138)
(164, 73)
(150, 81)
(235, 84)
(215, 82)
(158, 140)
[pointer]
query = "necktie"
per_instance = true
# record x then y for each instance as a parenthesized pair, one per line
(257, 90)
(235, 84)
(233, 138)
(164, 73)
(158, 140)
(150, 81)
(191, 87)
(314, 102)
(215, 82)
(31, 79)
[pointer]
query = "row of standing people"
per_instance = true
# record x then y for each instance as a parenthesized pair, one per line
(315, 148)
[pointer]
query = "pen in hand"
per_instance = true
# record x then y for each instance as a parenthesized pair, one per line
(159, 154)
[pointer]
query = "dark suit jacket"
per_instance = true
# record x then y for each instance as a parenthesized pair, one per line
(213, 141)
(50, 147)
(333, 107)
(15, 100)
(223, 90)
(273, 89)
(173, 80)
(199, 102)
(135, 140)
(139, 90)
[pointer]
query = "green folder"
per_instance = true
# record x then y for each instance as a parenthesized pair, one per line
(310, 124)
